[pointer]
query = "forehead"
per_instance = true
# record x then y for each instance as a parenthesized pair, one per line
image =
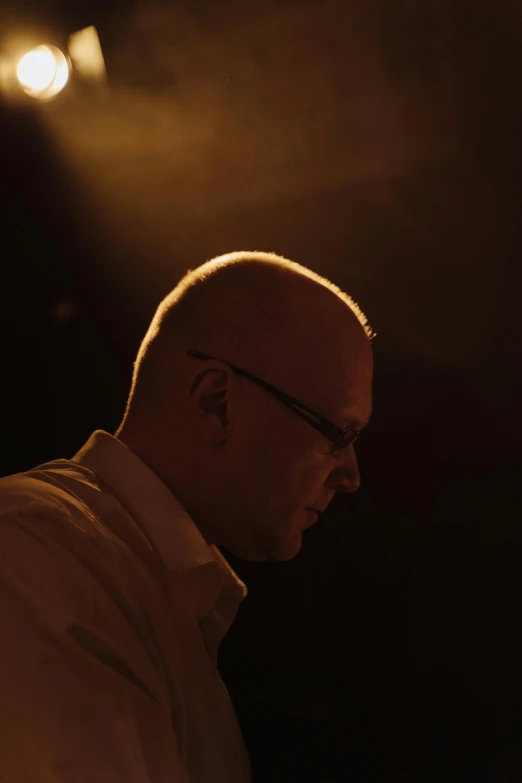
(334, 373)
(313, 347)
(343, 352)
(348, 390)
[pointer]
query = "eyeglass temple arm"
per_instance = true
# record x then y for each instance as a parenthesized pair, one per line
(300, 408)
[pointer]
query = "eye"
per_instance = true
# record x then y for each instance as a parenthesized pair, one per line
(349, 437)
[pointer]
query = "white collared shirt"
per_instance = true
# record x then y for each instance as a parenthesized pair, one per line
(112, 608)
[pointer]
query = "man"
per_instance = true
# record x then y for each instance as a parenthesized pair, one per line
(249, 390)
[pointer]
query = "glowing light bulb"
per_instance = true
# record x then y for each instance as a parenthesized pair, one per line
(43, 72)
(37, 69)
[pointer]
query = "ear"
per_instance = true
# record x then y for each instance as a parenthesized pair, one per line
(211, 402)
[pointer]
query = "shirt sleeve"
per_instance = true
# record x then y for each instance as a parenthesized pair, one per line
(78, 699)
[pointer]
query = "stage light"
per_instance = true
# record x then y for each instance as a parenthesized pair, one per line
(43, 72)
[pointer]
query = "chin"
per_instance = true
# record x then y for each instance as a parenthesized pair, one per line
(281, 552)
(272, 548)
(287, 549)
(250, 555)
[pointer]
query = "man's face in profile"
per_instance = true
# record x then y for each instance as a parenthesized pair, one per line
(284, 468)
(250, 471)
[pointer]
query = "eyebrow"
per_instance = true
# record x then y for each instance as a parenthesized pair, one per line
(353, 423)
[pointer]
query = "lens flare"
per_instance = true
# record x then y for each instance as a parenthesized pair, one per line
(43, 72)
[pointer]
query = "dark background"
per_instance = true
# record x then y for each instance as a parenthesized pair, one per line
(377, 142)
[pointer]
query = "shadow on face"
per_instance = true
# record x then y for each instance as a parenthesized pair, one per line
(276, 467)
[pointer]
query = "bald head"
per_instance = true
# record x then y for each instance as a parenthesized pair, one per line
(201, 423)
(258, 308)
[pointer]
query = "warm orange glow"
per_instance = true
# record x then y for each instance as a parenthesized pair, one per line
(43, 72)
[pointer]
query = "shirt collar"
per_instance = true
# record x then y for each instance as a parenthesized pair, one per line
(203, 570)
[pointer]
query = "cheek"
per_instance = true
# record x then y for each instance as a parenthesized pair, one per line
(298, 483)
(282, 468)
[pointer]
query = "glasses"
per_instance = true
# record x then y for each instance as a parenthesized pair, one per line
(339, 437)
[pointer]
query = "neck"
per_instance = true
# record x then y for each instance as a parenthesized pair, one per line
(174, 473)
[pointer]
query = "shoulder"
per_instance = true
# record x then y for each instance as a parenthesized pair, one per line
(55, 491)
(64, 576)
(53, 544)
(59, 506)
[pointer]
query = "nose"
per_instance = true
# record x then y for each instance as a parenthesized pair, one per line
(345, 476)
